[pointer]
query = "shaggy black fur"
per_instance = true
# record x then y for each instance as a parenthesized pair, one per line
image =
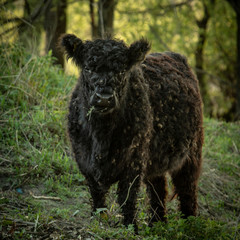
(132, 119)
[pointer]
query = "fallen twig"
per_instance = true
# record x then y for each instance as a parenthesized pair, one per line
(36, 223)
(45, 197)
(5, 160)
(235, 147)
(19, 222)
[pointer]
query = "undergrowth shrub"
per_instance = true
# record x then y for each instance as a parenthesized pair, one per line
(196, 228)
(33, 101)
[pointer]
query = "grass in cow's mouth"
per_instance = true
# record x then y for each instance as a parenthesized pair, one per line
(90, 111)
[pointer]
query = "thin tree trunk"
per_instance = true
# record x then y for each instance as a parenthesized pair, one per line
(105, 11)
(55, 26)
(199, 59)
(92, 17)
(236, 7)
(101, 24)
(238, 68)
(108, 15)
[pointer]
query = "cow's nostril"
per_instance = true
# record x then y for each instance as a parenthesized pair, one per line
(104, 96)
(104, 99)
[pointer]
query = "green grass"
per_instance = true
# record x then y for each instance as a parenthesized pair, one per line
(42, 193)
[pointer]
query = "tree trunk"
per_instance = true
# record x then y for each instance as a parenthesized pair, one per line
(55, 26)
(105, 11)
(199, 59)
(236, 7)
(238, 66)
(106, 15)
(93, 23)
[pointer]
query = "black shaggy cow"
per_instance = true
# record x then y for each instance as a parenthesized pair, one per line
(134, 117)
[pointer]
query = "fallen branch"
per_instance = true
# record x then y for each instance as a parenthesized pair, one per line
(19, 222)
(4, 160)
(45, 197)
(24, 174)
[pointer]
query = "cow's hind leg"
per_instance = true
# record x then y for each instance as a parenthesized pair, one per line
(157, 192)
(185, 182)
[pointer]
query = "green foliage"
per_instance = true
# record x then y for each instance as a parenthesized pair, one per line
(196, 228)
(169, 25)
(176, 228)
(175, 28)
(33, 111)
(220, 177)
(36, 167)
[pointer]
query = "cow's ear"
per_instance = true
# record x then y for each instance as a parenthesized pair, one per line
(137, 51)
(73, 47)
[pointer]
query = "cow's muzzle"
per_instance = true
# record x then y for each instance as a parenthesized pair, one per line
(103, 102)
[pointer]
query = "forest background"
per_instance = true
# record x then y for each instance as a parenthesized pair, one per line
(207, 32)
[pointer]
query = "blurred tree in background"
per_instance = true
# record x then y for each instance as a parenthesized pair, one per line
(207, 32)
(55, 23)
(105, 16)
(236, 105)
(202, 24)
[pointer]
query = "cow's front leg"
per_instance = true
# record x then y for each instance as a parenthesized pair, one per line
(127, 195)
(98, 195)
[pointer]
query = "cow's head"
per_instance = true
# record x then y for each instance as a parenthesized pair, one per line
(105, 65)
